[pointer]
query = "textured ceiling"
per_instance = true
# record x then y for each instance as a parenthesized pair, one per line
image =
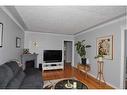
(66, 19)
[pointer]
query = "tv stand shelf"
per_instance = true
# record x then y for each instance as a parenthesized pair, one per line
(53, 65)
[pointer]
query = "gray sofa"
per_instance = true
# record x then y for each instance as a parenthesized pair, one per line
(13, 77)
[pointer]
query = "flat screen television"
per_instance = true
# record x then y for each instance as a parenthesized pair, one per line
(50, 56)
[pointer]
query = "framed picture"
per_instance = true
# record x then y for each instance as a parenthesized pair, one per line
(18, 42)
(1, 34)
(105, 45)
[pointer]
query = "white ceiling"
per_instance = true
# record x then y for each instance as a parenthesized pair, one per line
(66, 19)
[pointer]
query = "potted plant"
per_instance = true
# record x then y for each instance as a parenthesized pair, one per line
(81, 50)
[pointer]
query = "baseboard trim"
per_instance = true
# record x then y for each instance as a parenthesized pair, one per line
(91, 75)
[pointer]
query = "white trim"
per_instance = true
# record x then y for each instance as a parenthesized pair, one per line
(11, 16)
(101, 81)
(36, 32)
(122, 58)
(122, 72)
(100, 26)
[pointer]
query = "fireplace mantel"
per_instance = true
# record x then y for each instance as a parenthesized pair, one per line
(28, 57)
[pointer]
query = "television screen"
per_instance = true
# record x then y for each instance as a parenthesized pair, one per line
(52, 56)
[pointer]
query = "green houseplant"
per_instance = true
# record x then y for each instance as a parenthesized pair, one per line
(81, 50)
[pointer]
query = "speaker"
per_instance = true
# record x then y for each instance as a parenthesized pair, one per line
(40, 67)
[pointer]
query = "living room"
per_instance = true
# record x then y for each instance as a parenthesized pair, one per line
(32, 33)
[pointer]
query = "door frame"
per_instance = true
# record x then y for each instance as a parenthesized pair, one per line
(72, 64)
(123, 59)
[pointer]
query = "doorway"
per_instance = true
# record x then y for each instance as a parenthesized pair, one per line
(125, 65)
(68, 52)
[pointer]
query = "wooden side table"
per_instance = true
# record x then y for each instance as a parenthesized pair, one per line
(100, 74)
(84, 68)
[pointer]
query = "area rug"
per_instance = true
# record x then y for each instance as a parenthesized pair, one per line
(49, 84)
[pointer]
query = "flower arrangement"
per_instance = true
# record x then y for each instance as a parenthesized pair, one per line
(100, 56)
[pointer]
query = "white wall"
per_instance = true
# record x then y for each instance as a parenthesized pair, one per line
(112, 70)
(10, 32)
(45, 41)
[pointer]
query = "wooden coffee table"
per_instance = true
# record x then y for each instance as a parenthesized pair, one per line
(70, 84)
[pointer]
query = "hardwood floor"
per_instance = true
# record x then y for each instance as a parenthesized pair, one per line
(70, 72)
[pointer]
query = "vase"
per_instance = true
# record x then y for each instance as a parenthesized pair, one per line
(100, 59)
(84, 61)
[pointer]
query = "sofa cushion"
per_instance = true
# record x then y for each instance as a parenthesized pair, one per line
(14, 66)
(35, 85)
(32, 71)
(33, 79)
(33, 75)
(6, 75)
(17, 80)
(31, 82)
